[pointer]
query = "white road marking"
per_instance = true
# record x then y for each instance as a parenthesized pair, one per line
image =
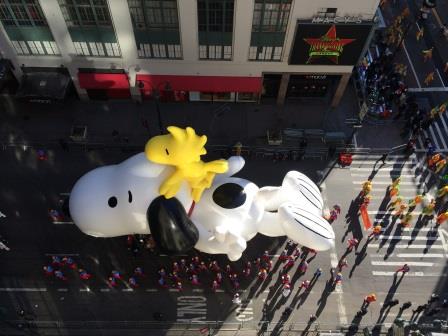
(440, 77)
(443, 233)
(409, 274)
(412, 183)
(173, 290)
(407, 238)
(62, 289)
(198, 290)
(61, 223)
(127, 290)
(392, 212)
(8, 289)
(383, 175)
(406, 246)
(2, 215)
(411, 64)
(340, 293)
(411, 255)
(400, 263)
(433, 137)
(441, 135)
(62, 254)
(104, 289)
(220, 290)
(151, 290)
(84, 289)
(442, 119)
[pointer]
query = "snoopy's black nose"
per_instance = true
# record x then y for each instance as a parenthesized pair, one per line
(173, 231)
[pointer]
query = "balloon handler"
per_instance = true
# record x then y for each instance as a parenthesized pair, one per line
(186, 203)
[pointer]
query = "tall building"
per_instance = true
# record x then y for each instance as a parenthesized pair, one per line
(187, 50)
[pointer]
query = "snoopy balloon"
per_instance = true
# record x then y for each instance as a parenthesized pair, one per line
(186, 203)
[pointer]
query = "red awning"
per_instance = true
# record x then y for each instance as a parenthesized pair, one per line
(103, 81)
(200, 83)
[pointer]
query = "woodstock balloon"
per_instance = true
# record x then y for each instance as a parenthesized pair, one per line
(186, 203)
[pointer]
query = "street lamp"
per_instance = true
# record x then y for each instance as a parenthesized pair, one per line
(156, 94)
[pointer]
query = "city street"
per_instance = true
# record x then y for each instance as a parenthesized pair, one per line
(31, 187)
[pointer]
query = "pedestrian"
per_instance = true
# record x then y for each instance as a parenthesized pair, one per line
(338, 279)
(215, 285)
(352, 243)
(343, 263)
(442, 218)
(236, 299)
(69, 262)
(161, 282)
(268, 265)
(183, 265)
(59, 275)
(420, 308)
(433, 160)
(428, 210)
(214, 266)
(406, 220)
(440, 165)
(116, 275)
(419, 33)
(265, 257)
(262, 274)
(317, 273)
(395, 204)
(367, 187)
(195, 280)
(286, 279)
(175, 267)
(369, 299)
(83, 275)
(283, 256)
(219, 277)
(56, 261)
(406, 305)
(286, 290)
(133, 282)
(191, 269)
(162, 272)
(303, 266)
(434, 298)
(401, 209)
(404, 269)
(202, 267)
(247, 269)
(178, 286)
(429, 78)
(175, 277)
(442, 191)
(305, 284)
(49, 270)
(376, 231)
(289, 264)
(427, 54)
(112, 282)
(138, 271)
(416, 201)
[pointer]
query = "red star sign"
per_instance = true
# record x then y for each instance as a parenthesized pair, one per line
(328, 46)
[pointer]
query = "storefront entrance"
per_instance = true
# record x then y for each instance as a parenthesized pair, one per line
(102, 84)
(311, 86)
(271, 85)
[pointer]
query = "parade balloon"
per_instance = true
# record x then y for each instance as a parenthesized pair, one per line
(128, 198)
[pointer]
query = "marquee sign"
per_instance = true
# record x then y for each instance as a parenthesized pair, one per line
(337, 19)
(328, 44)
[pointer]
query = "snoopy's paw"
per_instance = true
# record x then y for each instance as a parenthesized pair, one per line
(305, 227)
(307, 193)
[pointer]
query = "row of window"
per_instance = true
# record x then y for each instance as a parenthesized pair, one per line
(35, 47)
(155, 22)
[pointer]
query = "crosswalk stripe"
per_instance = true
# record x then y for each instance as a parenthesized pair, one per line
(367, 162)
(406, 246)
(390, 169)
(385, 183)
(442, 119)
(373, 212)
(407, 238)
(409, 274)
(411, 255)
(440, 133)
(400, 263)
(433, 137)
(403, 176)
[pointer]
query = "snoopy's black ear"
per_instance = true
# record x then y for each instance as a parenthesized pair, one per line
(170, 226)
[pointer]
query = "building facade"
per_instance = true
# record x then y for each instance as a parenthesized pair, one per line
(190, 50)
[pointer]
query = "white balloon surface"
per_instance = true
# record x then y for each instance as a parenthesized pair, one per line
(114, 200)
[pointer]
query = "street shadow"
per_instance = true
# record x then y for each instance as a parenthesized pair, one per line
(385, 309)
(360, 256)
(393, 242)
(322, 302)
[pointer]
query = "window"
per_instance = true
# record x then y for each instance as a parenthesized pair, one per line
(271, 15)
(21, 13)
(269, 24)
(86, 13)
(327, 12)
(215, 25)
(159, 20)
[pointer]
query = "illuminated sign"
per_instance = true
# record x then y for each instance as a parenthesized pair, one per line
(337, 19)
(328, 44)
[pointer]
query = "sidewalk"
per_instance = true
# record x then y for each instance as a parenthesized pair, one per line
(224, 123)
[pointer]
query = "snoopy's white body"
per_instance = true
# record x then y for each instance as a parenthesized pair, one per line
(294, 209)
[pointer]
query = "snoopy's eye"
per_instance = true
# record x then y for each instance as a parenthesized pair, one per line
(229, 195)
(166, 151)
(129, 196)
(112, 202)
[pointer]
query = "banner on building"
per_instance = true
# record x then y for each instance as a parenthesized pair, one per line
(328, 44)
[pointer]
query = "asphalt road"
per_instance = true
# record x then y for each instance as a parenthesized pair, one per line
(30, 187)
